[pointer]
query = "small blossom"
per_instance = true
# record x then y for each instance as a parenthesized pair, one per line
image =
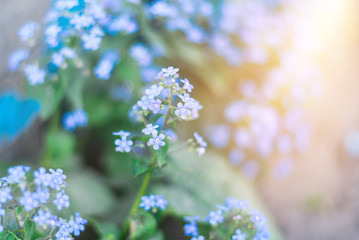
(27, 30)
(29, 201)
(43, 217)
(191, 229)
(155, 105)
(77, 225)
(5, 194)
(156, 141)
(154, 91)
(182, 111)
(187, 85)
(145, 103)
(61, 200)
(148, 202)
(161, 202)
(91, 42)
(34, 74)
(198, 238)
(239, 235)
(149, 129)
(57, 179)
(123, 145)
(121, 133)
(215, 217)
(170, 71)
(16, 58)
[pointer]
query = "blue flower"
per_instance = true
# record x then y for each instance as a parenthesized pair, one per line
(155, 105)
(16, 58)
(105, 66)
(34, 74)
(198, 238)
(77, 225)
(170, 71)
(161, 202)
(144, 103)
(182, 111)
(5, 194)
(215, 217)
(29, 201)
(148, 202)
(61, 200)
(239, 235)
(42, 177)
(187, 85)
(123, 145)
(91, 42)
(233, 203)
(154, 91)
(202, 144)
(17, 174)
(191, 229)
(141, 54)
(42, 195)
(27, 30)
(81, 21)
(57, 179)
(122, 133)
(72, 120)
(43, 217)
(156, 141)
(149, 129)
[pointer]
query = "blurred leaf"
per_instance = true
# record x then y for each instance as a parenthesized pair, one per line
(30, 227)
(88, 194)
(60, 146)
(142, 226)
(161, 153)
(49, 94)
(140, 167)
(107, 230)
(203, 182)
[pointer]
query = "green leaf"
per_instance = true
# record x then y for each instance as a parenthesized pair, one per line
(143, 225)
(60, 146)
(161, 153)
(203, 182)
(140, 167)
(88, 193)
(30, 227)
(107, 230)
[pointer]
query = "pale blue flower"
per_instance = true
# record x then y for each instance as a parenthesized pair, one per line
(187, 85)
(61, 200)
(29, 201)
(16, 58)
(198, 238)
(122, 133)
(170, 71)
(239, 235)
(43, 217)
(141, 54)
(91, 42)
(156, 141)
(81, 21)
(145, 102)
(42, 195)
(182, 111)
(123, 145)
(155, 105)
(148, 202)
(34, 74)
(161, 202)
(5, 194)
(149, 129)
(77, 225)
(191, 229)
(154, 91)
(215, 217)
(27, 30)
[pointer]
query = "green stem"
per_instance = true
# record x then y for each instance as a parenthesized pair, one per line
(136, 203)
(168, 111)
(14, 235)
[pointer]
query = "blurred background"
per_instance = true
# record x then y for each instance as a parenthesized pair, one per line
(283, 116)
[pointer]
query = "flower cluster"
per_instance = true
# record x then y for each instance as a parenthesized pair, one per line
(153, 202)
(233, 221)
(167, 100)
(35, 200)
(74, 119)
